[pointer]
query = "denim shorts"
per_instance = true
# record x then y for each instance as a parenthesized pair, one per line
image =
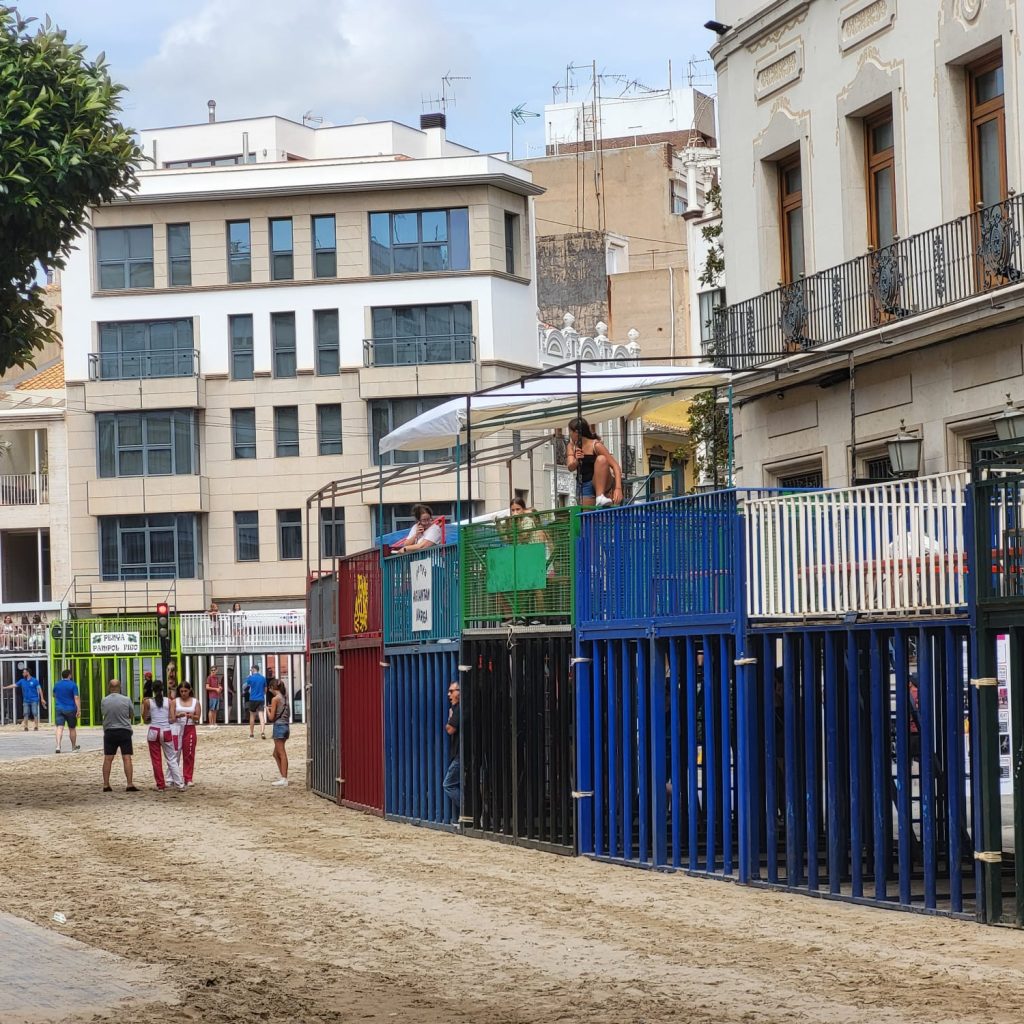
(30, 709)
(282, 730)
(587, 489)
(213, 703)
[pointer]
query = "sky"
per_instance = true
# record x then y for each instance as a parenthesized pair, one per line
(379, 59)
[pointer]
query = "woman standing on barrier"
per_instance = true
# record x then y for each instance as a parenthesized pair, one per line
(599, 473)
(163, 736)
(280, 714)
(187, 712)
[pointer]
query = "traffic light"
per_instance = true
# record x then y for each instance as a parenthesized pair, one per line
(163, 629)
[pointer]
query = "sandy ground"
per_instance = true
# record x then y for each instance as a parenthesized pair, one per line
(259, 904)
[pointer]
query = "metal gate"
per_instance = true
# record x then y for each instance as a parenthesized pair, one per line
(518, 738)
(362, 727)
(859, 784)
(324, 723)
(415, 743)
(658, 766)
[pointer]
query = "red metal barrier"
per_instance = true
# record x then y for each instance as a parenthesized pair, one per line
(359, 595)
(362, 727)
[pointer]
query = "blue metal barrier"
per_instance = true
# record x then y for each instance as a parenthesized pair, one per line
(421, 596)
(415, 743)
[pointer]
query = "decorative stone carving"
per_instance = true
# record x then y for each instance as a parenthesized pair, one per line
(970, 9)
(779, 70)
(863, 19)
(556, 346)
(774, 33)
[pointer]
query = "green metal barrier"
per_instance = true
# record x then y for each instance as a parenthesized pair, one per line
(519, 568)
(74, 644)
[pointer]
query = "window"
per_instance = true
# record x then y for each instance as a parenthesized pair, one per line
(328, 429)
(792, 479)
(332, 532)
(881, 183)
(282, 264)
(289, 533)
(325, 326)
(511, 242)
(286, 431)
(156, 547)
(325, 246)
(247, 536)
(878, 468)
(679, 198)
(388, 413)
(243, 433)
(282, 331)
(408, 335)
(160, 443)
(239, 251)
(417, 241)
(988, 131)
(792, 220)
(240, 328)
(708, 302)
(130, 350)
(179, 254)
(124, 257)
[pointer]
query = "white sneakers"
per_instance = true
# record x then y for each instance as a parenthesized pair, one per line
(602, 499)
(280, 782)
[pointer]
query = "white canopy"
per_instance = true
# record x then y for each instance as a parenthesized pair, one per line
(550, 401)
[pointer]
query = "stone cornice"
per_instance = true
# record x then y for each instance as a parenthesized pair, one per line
(765, 28)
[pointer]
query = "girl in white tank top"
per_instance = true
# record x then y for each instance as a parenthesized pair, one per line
(187, 712)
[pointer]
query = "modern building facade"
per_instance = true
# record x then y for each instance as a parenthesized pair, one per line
(273, 300)
(873, 231)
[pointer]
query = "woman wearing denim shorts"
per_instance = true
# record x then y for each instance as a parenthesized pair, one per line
(280, 714)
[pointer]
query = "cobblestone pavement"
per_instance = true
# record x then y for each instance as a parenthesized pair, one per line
(51, 976)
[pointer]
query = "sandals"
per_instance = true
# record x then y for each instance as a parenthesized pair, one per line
(107, 789)
(131, 789)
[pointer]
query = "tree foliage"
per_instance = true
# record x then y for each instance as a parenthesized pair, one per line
(714, 258)
(62, 149)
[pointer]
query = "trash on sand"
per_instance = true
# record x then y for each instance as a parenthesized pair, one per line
(60, 918)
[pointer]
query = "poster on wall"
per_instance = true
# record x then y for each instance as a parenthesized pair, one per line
(1003, 706)
(422, 577)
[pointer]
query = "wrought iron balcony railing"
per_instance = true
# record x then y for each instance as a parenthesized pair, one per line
(447, 348)
(969, 256)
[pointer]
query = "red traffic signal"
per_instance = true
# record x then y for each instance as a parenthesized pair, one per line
(163, 621)
(162, 609)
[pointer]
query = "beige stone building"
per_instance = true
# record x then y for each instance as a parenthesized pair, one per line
(871, 177)
(242, 331)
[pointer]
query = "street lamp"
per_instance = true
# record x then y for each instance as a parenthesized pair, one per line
(905, 453)
(1009, 423)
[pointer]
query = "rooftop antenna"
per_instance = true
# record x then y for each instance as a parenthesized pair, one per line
(519, 115)
(309, 118)
(447, 97)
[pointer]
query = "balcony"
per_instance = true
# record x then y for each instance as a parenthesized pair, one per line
(143, 365)
(277, 631)
(434, 349)
(24, 489)
(972, 255)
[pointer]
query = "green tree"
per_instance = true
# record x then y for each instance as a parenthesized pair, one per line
(62, 149)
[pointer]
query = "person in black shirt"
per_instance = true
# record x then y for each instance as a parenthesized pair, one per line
(453, 776)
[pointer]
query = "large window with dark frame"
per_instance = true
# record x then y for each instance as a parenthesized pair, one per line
(511, 242)
(247, 536)
(791, 219)
(325, 246)
(410, 335)
(286, 431)
(328, 428)
(282, 249)
(289, 533)
(419, 241)
(156, 547)
(242, 359)
(881, 175)
(332, 531)
(243, 433)
(987, 109)
(124, 257)
(142, 349)
(328, 342)
(157, 443)
(386, 414)
(179, 254)
(282, 338)
(239, 251)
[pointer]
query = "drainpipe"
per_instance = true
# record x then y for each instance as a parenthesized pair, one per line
(672, 311)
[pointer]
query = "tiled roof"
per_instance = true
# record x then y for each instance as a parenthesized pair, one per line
(50, 379)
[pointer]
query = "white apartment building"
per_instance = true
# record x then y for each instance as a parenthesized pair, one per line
(872, 164)
(245, 328)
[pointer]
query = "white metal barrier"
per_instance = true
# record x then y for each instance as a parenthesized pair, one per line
(276, 631)
(24, 489)
(897, 546)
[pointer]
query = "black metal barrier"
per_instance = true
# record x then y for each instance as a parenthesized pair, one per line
(324, 723)
(518, 738)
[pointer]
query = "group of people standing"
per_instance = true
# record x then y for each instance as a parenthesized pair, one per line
(172, 714)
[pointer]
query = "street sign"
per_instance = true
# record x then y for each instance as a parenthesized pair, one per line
(114, 643)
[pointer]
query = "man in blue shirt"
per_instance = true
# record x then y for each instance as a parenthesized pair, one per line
(257, 701)
(31, 698)
(67, 708)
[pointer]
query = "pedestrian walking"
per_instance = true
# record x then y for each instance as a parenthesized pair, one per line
(31, 698)
(187, 713)
(453, 776)
(214, 692)
(256, 684)
(67, 708)
(163, 737)
(280, 714)
(117, 710)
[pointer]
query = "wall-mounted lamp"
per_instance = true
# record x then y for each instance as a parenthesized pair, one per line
(905, 453)
(1009, 423)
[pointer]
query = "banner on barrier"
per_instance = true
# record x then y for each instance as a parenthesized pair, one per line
(422, 578)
